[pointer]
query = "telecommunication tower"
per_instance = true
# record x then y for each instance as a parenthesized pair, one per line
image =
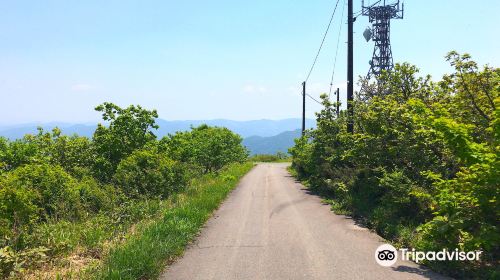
(380, 17)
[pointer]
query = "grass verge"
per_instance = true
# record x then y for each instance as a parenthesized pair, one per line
(144, 254)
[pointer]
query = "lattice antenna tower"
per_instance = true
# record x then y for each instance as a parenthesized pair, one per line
(380, 15)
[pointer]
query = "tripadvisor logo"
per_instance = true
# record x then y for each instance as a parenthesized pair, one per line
(387, 255)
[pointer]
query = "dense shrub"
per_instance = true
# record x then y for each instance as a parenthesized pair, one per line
(210, 148)
(149, 173)
(422, 167)
(18, 210)
(56, 190)
(4, 146)
(96, 197)
(37, 192)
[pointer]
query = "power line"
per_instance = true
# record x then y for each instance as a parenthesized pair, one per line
(337, 50)
(322, 41)
(314, 99)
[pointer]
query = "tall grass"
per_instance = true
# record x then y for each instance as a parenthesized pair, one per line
(144, 254)
(62, 249)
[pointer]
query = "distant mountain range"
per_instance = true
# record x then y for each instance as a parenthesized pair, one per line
(271, 145)
(260, 136)
(263, 128)
(13, 132)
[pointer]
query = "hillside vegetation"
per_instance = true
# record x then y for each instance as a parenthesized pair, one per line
(70, 205)
(422, 167)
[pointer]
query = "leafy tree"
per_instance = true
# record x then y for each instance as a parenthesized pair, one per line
(4, 146)
(473, 93)
(128, 130)
(16, 153)
(179, 146)
(75, 154)
(216, 147)
(211, 148)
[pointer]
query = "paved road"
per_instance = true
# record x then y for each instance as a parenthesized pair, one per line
(271, 228)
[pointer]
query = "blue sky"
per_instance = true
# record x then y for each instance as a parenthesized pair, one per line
(237, 60)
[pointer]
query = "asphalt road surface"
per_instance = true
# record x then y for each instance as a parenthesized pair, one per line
(271, 227)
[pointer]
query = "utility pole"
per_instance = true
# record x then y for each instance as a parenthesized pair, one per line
(350, 66)
(338, 102)
(303, 108)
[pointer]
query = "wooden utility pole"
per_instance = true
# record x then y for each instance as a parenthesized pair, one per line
(350, 66)
(338, 102)
(303, 108)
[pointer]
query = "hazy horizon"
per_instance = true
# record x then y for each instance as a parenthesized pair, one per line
(159, 118)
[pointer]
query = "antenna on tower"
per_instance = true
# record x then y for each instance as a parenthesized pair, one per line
(380, 17)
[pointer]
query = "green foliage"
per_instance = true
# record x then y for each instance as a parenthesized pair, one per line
(128, 130)
(73, 153)
(422, 167)
(18, 210)
(38, 192)
(467, 206)
(147, 172)
(12, 262)
(15, 154)
(210, 148)
(63, 195)
(96, 197)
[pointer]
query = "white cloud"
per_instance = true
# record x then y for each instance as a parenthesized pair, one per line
(248, 89)
(255, 89)
(81, 87)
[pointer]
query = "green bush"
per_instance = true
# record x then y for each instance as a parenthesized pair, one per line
(18, 210)
(69, 152)
(49, 189)
(96, 197)
(210, 148)
(422, 167)
(149, 173)
(16, 153)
